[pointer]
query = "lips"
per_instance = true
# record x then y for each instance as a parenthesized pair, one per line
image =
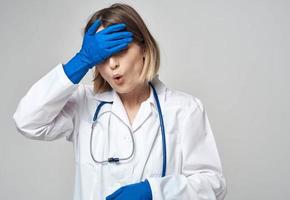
(118, 78)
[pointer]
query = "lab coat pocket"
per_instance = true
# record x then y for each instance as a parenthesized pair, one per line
(122, 172)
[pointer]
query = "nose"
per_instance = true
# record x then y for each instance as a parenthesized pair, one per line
(114, 66)
(113, 63)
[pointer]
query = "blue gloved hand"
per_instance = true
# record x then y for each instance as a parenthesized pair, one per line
(97, 47)
(137, 191)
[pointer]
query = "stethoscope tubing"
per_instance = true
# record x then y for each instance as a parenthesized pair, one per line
(116, 160)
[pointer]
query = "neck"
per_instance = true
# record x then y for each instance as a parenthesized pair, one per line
(136, 97)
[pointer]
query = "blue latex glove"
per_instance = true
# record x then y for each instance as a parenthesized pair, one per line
(97, 47)
(137, 191)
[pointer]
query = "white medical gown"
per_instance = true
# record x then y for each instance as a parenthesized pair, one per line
(54, 107)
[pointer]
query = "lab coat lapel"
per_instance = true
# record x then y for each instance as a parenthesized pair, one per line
(104, 96)
(119, 110)
(150, 105)
(160, 90)
(144, 112)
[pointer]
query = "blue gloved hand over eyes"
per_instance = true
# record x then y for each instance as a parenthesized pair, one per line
(137, 191)
(97, 47)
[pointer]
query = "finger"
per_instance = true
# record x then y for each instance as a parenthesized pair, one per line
(119, 35)
(110, 44)
(93, 28)
(118, 48)
(113, 28)
(115, 194)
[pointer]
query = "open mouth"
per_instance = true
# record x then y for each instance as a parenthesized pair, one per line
(118, 78)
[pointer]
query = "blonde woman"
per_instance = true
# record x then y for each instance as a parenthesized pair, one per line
(134, 138)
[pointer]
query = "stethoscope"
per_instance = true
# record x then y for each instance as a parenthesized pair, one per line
(116, 159)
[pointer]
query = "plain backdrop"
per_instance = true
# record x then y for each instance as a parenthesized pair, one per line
(233, 55)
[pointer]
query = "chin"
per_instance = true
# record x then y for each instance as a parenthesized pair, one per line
(126, 87)
(123, 89)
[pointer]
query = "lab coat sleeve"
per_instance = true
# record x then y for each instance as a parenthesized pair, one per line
(48, 110)
(201, 175)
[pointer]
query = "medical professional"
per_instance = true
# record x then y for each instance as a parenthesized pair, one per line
(133, 137)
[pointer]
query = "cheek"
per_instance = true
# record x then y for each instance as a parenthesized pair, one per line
(138, 66)
(103, 72)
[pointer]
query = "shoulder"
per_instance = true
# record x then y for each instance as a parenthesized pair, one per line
(176, 99)
(86, 100)
(85, 92)
(184, 100)
(87, 95)
(83, 95)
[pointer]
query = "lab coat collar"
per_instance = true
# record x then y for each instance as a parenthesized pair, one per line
(160, 88)
(145, 109)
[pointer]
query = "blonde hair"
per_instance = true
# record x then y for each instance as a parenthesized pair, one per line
(123, 13)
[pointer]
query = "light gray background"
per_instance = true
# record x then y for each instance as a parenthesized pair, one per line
(233, 55)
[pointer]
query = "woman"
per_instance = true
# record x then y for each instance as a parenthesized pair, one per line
(134, 138)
